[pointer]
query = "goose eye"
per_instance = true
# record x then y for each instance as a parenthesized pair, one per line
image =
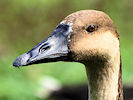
(91, 28)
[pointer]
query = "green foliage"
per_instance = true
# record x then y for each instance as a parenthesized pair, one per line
(24, 23)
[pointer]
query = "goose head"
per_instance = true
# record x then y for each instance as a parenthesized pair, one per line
(80, 37)
(89, 37)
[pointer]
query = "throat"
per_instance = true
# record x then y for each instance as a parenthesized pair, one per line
(104, 78)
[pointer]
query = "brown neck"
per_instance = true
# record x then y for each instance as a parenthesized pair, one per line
(105, 81)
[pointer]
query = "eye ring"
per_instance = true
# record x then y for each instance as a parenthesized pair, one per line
(91, 28)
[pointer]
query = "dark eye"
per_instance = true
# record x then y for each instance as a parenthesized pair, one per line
(91, 28)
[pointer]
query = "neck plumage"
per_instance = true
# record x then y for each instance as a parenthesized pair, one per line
(105, 82)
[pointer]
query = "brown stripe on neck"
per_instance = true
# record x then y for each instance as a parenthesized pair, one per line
(120, 84)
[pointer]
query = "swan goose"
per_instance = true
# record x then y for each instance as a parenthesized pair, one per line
(89, 37)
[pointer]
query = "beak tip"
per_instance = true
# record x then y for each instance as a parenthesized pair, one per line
(21, 60)
(16, 64)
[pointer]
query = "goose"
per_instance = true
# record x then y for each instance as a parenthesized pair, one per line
(89, 37)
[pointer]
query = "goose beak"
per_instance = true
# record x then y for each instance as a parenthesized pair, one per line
(54, 48)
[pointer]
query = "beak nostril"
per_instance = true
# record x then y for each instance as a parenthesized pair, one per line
(44, 49)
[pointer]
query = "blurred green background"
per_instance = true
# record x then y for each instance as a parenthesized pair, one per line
(25, 23)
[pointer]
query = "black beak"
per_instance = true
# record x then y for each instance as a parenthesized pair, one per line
(54, 48)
